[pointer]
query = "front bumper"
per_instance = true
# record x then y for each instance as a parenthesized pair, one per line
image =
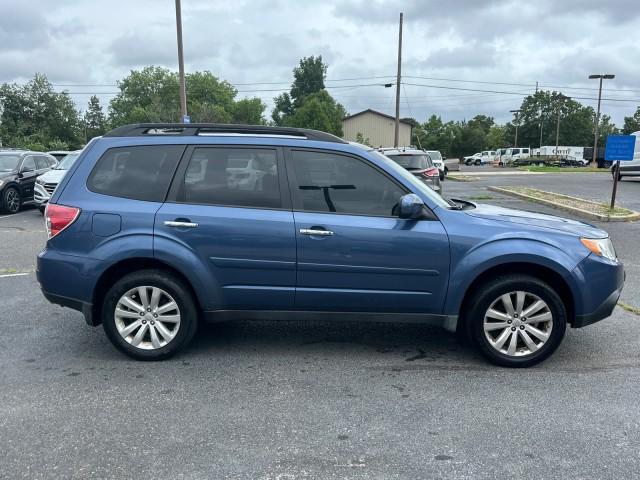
(602, 282)
(40, 195)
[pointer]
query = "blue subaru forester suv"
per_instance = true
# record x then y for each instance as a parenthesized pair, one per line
(159, 226)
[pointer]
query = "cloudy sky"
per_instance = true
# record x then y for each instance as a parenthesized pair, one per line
(461, 57)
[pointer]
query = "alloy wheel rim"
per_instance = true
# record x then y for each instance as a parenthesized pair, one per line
(13, 201)
(147, 317)
(518, 323)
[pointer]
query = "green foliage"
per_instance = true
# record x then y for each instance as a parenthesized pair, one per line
(95, 122)
(152, 95)
(360, 139)
(35, 116)
(320, 112)
(632, 124)
(308, 104)
(496, 137)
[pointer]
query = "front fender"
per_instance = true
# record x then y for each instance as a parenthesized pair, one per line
(503, 252)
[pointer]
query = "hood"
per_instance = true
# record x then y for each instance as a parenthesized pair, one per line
(522, 217)
(53, 176)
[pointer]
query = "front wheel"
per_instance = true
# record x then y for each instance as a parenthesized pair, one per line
(149, 315)
(441, 176)
(516, 321)
(12, 200)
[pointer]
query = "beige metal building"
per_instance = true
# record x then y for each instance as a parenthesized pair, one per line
(377, 127)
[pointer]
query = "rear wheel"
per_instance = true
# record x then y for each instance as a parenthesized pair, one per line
(149, 315)
(12, 200)
(516, 321)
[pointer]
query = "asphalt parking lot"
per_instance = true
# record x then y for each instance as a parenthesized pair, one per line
(321, 400)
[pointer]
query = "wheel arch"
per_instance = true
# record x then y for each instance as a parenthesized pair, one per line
(548, 275)
(124, 267)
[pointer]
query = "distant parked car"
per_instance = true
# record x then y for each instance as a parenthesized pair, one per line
(18, 172)
(630, 168)
(438, 161)
(47, 182)
(59, 154)
(480, 158)
(497, 158)
(516, 156)
(418, 162)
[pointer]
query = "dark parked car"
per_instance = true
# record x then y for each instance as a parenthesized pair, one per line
(18, 172)
(418, 162)
(157, 226)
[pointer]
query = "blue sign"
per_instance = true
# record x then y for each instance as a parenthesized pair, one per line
(186, 119)
(620, 147)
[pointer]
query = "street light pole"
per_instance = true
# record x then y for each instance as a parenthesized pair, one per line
(606, 76)
(516, 112)
(183, 92)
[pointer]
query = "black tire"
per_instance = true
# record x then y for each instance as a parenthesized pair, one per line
(167, 282)
(41, 208)
(478, 162)
(473, 326)
(442, 176)
(11, 200)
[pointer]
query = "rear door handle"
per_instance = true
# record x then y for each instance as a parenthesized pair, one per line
(180, 224)
(312, 231)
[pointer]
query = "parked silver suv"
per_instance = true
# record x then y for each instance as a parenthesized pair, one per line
(418, 162)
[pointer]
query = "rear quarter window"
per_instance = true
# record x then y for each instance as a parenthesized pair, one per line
(138, 172)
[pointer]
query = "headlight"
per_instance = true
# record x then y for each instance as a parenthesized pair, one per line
(602, 247)
(39, 181)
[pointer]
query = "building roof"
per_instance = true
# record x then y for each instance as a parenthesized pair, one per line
(368, 110)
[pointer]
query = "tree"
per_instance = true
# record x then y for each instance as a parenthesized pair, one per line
(307, 86)
(364, 141)
(606, 128)
(35, 116)
(94, 119)
(632, 124)
(151, 95)
(320, 112)
(249, 111)
(496, 138)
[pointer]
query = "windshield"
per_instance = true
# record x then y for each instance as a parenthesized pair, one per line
(8, 163)
(435, 155)
(412, 162)
(411, 180)
(67, 161)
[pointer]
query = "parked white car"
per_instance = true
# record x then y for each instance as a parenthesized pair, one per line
(438, 161)
(515, 155)
(480, 158)
(47, 182)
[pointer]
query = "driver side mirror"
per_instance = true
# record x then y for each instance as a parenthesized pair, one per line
(411, 206)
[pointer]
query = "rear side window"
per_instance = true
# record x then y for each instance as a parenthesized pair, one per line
(42, 163)
(138, 173)
(241, 177)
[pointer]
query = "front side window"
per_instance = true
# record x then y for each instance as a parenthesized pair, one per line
(329, 182)
(243, 177)
(29, 165)
(42, 163)
(138, 172)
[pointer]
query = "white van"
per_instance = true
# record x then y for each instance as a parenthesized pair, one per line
(515, 155)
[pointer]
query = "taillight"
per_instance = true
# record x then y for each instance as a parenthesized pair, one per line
(59, 217)
(431, 172)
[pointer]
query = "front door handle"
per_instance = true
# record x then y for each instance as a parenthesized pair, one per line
(312, 231)
(180, 224)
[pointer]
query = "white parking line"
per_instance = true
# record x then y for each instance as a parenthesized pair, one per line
(14, 275)
(14, 215)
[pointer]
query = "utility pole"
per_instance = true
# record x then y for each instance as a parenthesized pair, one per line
(606, 76)
(516, 113)
(398, 81)
(183, 92)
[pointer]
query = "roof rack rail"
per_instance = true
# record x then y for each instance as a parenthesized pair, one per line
(187, 129)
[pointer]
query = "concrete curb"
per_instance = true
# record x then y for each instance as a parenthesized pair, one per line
(578, 211)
